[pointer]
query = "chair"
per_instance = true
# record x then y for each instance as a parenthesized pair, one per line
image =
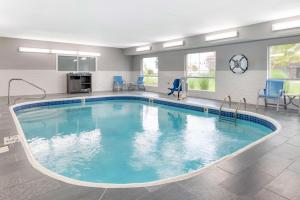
(177, 87)
(273, 90)
(140, 83)
(118, 83)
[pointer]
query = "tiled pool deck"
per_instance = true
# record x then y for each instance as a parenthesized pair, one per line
(268, 171)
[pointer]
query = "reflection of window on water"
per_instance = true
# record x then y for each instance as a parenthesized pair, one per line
(150, 118)
(62, 151)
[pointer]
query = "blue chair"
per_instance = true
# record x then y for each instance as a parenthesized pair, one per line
(177, 87)
(118, 83)
(274, 90)
(140, 83)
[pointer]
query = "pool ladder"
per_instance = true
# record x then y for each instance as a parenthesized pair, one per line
(32, 84)
(231, 119)
(238, 107)
(151, 100)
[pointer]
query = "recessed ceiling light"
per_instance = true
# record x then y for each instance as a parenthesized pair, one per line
(143, 48)
(33, 50)
(220, 36)
(173, 44)
(286, 25)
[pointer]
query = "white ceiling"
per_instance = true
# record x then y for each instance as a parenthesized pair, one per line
(122, 23)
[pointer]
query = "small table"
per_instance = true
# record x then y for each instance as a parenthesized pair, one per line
(291, 100)
(130, 86)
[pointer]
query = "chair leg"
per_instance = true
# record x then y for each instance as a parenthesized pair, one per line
(266, 102)
(257, 102)
(284, 101)
(171, 92)
(277, 107)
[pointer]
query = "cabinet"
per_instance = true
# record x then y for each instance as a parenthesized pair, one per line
(79, 83)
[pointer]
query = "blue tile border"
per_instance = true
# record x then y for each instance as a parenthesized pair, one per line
(146, 99)
(49, 103)
(94, 99)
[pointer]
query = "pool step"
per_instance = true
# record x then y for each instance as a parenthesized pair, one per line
(38, 115)
(224, 118)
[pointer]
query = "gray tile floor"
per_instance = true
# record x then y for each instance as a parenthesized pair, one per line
(268, 171)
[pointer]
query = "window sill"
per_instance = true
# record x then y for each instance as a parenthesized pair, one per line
(195, 90)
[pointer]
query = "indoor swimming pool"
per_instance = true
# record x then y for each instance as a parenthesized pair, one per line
(130, 140)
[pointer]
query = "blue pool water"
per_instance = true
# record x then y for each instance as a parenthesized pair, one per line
(130, 141)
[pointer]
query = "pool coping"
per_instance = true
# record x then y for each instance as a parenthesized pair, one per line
(35, 164)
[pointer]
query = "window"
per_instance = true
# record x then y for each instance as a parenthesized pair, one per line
(201, 70)
(76, 63)
(150, 71)
(284, 63)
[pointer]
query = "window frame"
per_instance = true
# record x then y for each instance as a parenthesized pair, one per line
(269, 64)
(142, 71)
(77, 68)
(205, 77)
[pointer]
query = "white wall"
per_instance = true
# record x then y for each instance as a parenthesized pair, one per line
(227, 83)
(52, 81)
(237, 86)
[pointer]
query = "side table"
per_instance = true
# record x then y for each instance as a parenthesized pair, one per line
(291, 98)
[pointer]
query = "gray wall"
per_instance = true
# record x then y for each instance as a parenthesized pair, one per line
(255, 51)
(172, 65)
(111, 59)
(40, 68)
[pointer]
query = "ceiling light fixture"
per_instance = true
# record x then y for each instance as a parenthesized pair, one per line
(220, 36)
(33, 50)
(143, 48)
(57, 51)
(173, 44)
(286, 25)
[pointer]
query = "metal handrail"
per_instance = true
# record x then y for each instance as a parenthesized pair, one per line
(32, 84)
(238, 106)
(224, 101)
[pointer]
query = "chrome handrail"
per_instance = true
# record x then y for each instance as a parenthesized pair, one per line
(32, 84)
(224, 101)
(238, 106)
